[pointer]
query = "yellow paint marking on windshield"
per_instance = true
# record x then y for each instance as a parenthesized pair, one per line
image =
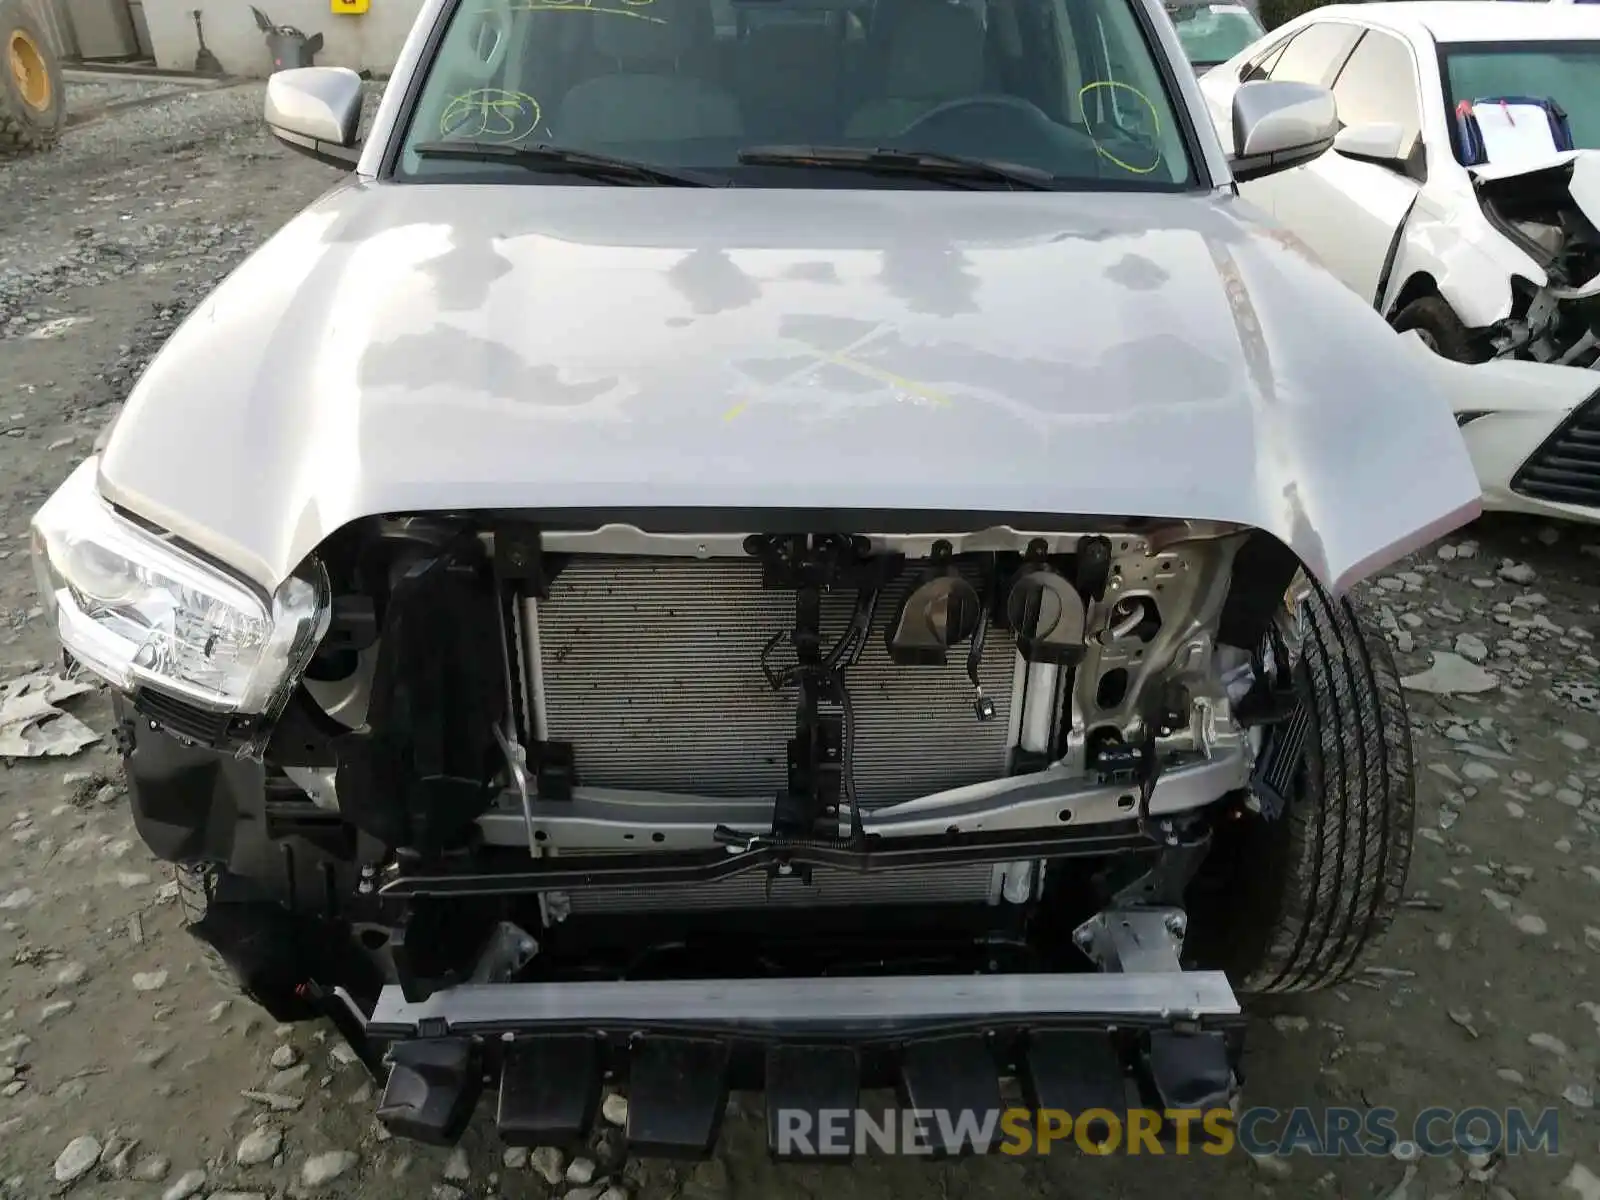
(1114, 86)
(490, 115)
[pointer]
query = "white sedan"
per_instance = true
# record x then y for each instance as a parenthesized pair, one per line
(1462, 198)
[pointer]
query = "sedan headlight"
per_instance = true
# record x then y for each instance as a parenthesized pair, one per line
(140, 611)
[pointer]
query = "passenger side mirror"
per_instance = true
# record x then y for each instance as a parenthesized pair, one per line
(1382, 143)
(316, 110)
(1278, 124)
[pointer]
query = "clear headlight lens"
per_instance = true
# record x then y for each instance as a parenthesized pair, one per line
(138, 610)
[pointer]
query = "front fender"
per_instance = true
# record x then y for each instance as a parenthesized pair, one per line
(1471, 263)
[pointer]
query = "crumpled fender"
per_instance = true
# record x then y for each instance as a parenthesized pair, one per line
(1472, 262)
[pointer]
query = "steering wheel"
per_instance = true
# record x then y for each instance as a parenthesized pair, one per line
(994, 100)
(489, 37)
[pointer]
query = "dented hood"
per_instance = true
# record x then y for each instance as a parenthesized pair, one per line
(411, 348)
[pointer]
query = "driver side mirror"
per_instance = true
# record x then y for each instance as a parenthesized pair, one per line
(1277, 125)
(316, 110)
(1382, 143)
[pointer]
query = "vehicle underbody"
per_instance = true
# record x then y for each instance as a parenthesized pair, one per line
(811, 810)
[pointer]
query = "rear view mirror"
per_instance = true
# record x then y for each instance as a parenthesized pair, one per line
(1382, 143)
(1278, 125)
(316, 110)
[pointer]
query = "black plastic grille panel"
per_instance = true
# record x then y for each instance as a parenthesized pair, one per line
(1566, 469)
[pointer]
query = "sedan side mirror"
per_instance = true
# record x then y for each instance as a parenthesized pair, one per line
(1382, 143)
(1278, 124)
(316, 110)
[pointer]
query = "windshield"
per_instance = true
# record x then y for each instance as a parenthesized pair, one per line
(1565, 72)
(1214, 33)
(1068, 88)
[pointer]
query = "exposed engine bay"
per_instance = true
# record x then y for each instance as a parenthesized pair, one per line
(1551, 214)
(611, 722)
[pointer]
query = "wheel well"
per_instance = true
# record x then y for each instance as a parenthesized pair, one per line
(1419, 285)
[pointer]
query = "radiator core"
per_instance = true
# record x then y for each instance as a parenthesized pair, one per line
(651, 670)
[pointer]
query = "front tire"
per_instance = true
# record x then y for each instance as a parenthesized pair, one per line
(195, 884)
(1440, 329)
(1294, 904)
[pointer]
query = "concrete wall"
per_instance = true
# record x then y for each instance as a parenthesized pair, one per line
(370, 41)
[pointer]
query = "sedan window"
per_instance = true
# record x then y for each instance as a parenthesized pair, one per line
(1379, 84)
(1566, 72)
(1317, 53)
(1213, 33)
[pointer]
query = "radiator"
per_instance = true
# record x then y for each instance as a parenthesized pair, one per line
(651, 670)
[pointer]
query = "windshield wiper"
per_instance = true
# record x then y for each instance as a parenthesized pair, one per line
(921, 164)
(573, 162)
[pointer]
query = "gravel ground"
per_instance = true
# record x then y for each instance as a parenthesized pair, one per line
(122, 1070)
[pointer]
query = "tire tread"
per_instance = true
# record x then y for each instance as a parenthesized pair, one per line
(1352, 823)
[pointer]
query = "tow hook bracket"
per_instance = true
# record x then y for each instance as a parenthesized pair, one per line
(1134, 939)
(432, 1089)
(549, 1090)
(677, 1096)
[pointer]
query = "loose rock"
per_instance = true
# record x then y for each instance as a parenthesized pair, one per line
(185, 1186)
(259, 1146)
(1582, 1182)
(77, 1159)
(1547, 1041)
(324, 1168)
(615, 1109)
(152, 1168)
(546, 1162)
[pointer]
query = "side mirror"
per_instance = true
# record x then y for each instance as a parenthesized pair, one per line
(1382, 143)
(316, 110)
(1278, 124)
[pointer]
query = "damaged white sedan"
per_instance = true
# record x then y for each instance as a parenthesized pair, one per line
(1462, 200)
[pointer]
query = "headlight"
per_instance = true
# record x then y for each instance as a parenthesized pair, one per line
(140, 611)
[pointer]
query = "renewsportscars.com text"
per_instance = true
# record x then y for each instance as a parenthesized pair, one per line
(1332, 1132)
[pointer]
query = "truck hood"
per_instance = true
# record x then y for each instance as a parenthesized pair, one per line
(406, 348)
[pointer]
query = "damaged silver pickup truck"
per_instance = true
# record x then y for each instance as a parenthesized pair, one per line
(806, 554)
